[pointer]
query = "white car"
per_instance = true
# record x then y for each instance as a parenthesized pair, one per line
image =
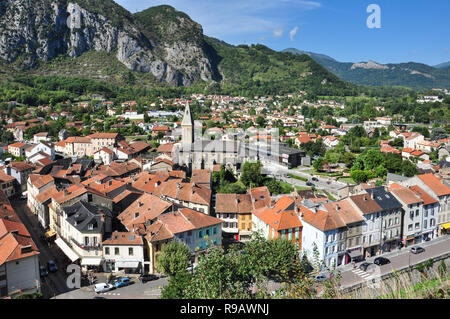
(103, 287)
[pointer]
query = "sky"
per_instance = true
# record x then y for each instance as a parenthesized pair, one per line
(414, 30)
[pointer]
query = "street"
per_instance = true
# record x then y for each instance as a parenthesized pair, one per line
(54, 283)
(399, 260)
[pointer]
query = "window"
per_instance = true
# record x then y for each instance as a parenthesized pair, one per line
(425, 223)
(116, 251)
(130, 251)
(357, 241)
(396, 220)
(215, 230)
(417, 212)
(410, 227)
(417, 225)
(350, 242)
(106, 250)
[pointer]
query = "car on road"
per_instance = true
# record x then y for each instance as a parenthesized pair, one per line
(52, 266)
(122, 282)
(364, 266)
(381, 261)
(417, 250)
(309, 184)
(315, 179)
(147, 277)
(322, 277)
(43, 271)
(103, 287)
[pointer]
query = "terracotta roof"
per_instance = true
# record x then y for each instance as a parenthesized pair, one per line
(344, 210)
(189, 192)
(39, 181)
(406, 195)
(123, 238)
(17, 145)
(165, 148)
(282, 215)
(321, 219)
(146, 207)
(435, 184)
(427, 199)
(366, 204)
(201, 176)
(21, 166)
(5, 177)
(13, 247)
(260, 197)
(103, 135)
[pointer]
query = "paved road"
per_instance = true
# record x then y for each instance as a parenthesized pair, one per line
(54, 283)
(148, 290)
(399, 260)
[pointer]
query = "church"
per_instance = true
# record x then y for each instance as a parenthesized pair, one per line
(194, 152)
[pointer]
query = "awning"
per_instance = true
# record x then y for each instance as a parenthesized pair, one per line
(127, 264)
(66, 249)
(446, 226)
(50, 233)
(355, 253)
(91, 261)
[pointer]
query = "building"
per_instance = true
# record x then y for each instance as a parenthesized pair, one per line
(83, 227)
(7, 184)
(430, 210)
(439, 191)
(391, 218)
(77, 146)
(104, 155)
(36, 185)
(412, 214)
(100, 140)
(123, 251)
(17, 149)
(371, 228)
(236, 212)
(279, 221)
(20, 171)
(198, 231)
(19, 262)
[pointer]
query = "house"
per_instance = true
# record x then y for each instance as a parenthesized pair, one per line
(19, 260)
(430, 210)
(77, 146)
(331, 141)
(7, 184)
(144, 211)
(20, 171)
(104, 155)
(42, 206)
(198, 231)
(439, 191)
(41, 137)
(83, 227)
(202, 177)
(36, 184)
(129, 151)
(123, 251)
(41, 147)
(349, 238)
(236, 212)
(17, 149)
(412, 214)
(279, 221)
(162, 165)
(166, 149)
(320, 233)
(189, 195)
(371, 229)
(60, 146)
(391, 217)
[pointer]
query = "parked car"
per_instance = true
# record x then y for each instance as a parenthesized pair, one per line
(52, 266)
(364, 266)
(315, 179)
(323, 277)
(103, 287)
(417, 250)
(43, 271)
(147, 277)
(122, 282)
(309, 184)
(381, 261)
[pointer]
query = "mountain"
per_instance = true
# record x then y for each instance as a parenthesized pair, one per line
(159, 46)
(442, 65)
(411, 74)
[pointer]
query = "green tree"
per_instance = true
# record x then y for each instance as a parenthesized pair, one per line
(408, 168)
(251, 174)
(174, 258)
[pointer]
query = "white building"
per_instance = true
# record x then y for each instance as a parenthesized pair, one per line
(124, 251)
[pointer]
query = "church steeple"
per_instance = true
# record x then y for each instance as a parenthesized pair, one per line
(187, 126)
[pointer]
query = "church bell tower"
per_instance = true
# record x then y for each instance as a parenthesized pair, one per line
(187, 127)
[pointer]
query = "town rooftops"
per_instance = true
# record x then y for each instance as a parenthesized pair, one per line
(40, 181)
(405, 195)
(17, 145)
(435, 184)
(321, 219)
(427, 199)
(344, 210)
(383, 198)
(21, 166)
(233, 203)
(103, 135)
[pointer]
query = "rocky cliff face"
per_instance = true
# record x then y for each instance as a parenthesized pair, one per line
(43, 29)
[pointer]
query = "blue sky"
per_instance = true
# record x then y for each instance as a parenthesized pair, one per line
(415, 30)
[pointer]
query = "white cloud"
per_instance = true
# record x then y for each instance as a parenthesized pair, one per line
(292, 33)
(278, 33)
